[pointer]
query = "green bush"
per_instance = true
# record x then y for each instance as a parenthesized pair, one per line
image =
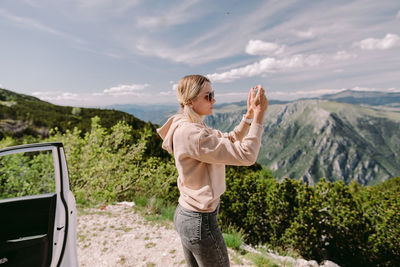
(350, 225)
(107, 165)
(329, 224)
(381, 205)
(233, 239)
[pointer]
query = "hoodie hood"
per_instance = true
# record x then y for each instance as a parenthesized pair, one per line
(168, 129)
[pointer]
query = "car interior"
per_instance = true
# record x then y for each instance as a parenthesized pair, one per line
(26, 230)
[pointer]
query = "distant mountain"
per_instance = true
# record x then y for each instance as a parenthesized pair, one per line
(344, 136)
(303, 139)
(365, 98)
(159, 114)
(152, 113)
(311, 139)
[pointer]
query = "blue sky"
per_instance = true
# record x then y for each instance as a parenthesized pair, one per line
(103, 52)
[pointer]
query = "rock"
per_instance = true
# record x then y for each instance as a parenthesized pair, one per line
(329, 264)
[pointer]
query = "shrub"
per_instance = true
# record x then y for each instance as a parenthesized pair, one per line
(329, 224)
(107, 165)
(350, 225)
(381, 204)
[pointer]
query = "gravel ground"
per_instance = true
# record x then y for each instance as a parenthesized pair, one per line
(116, 235)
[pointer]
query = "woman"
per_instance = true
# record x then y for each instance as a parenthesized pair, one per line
(200, 157)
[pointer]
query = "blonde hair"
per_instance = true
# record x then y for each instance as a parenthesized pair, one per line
(189, 88)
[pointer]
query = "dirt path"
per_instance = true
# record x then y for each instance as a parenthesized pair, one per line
(116, 235)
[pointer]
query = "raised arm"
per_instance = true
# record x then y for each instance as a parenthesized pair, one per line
(205, 145)
(242, 128)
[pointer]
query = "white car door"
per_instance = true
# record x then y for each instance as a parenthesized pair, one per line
(37, 208)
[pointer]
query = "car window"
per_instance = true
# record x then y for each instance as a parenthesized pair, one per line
(27, 174)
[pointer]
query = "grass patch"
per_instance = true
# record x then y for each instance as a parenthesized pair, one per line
(168, 212)
(261, 261)
(150, 245)
(141, 201)
(122, 259)
(154, 209)
(124, 229)
(233, 240)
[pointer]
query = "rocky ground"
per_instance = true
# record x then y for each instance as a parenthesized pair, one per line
(116, 235)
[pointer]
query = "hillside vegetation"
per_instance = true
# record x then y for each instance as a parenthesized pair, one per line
(23, 116)
(348, 224)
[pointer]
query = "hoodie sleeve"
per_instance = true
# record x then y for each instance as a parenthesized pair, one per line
(237, 134)
(211, 147)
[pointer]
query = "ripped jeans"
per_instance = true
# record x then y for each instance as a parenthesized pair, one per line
(202, 241)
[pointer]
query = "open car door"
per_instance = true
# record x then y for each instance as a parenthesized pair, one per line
(37, 207)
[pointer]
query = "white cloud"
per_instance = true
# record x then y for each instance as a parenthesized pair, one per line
(239, 94)
(174, 87)
(309, 34)
(304, 93)
(160, 21)
(95, 9)
(393, 90)
(121, 90)
(267, 65)
(90, 4)
(119, 94)
(338, 70)
(258, 47)
(56, 96)
(388, 42)
(343, 55)
(156, 49)
(176, 15)
(398, 15)
(166, 93)
(272, 65)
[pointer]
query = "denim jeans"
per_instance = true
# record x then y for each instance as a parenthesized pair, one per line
(202, 241)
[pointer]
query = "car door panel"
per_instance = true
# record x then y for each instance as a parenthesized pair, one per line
(39, 227)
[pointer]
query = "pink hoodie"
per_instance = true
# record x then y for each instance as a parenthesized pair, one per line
(201, 154)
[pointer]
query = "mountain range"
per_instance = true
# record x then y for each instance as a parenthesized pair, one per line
(351, 135)
(347, 136)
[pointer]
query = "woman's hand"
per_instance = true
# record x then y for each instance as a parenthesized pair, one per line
(251, 103)
(260, 105)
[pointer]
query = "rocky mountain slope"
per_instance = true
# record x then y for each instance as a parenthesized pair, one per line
(310, 139)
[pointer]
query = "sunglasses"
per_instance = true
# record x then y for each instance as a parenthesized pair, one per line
(210, 96)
